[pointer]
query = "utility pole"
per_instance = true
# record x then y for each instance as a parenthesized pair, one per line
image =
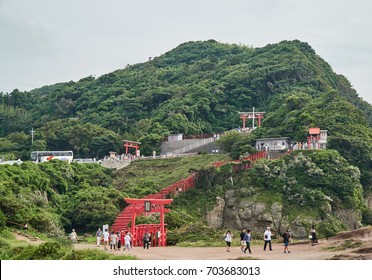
(253, 117)
(32, 135)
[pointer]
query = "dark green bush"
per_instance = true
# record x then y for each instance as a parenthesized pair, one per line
(93, 254)
(367, 217)
(3, 220)
(45, 251)
(330, 227)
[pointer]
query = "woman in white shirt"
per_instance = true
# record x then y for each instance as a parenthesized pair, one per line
(267, 239)
(228, 239)
(127, 240)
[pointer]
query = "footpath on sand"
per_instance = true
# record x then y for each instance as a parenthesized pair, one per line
(299, 251)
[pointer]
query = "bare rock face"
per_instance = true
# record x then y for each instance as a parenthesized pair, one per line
(215, 217)
(297, 227)
(350, 217)
(253, 215)
(369, 201)
(232, 212)
(230, 217)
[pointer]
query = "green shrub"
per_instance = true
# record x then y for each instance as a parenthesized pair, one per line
(367, 217)
(93, 254)
(194, 233)
(44, 251)
(330, 227)
(3, 220)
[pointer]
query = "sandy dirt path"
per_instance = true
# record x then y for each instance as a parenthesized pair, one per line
(298, 252)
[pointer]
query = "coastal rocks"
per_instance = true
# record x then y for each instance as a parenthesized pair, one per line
(232, 212)
(215, 217)
(350, 217)
(369, 201)
(257, 216)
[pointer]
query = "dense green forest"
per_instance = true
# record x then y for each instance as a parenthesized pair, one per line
(195, 88)
(54, 197)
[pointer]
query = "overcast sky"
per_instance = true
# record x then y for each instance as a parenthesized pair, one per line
(49, 41)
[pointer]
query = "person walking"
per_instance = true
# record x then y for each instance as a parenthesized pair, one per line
(131, 239)
(248, 239)
(146, 240)
(113, 238)
(267, 238)
(99, 236)
(106, 238)
(228, 239)
(118, 240)
(73, 236)
(127, 241)
(286, 237)
(242, 241)
(314, 239)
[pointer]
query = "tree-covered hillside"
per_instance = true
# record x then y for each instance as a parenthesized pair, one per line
(55, 196)
(195, 88)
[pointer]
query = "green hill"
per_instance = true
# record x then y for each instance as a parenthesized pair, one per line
(198, 87)
(195, 88)
(56, 196)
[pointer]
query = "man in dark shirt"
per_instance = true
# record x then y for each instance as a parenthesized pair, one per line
(242, 241)
(286, 237)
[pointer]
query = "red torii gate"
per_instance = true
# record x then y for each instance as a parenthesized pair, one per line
(149, 206)
(131, 144)
(251, 115)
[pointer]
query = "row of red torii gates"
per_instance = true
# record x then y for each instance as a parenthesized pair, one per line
(157, 231)
(155, 203)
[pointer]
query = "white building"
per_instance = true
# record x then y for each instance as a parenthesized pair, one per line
(175, 137)
(273, 144)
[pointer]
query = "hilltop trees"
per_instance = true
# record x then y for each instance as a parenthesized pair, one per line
(196, 88)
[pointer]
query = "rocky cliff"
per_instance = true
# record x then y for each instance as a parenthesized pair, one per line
(236, 212)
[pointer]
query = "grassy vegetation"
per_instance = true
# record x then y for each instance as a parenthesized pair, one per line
(347, 244)
(49, 249)
(142, 177)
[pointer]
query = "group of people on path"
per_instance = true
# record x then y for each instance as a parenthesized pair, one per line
(114, 240)
(246, 238)
(245, 241)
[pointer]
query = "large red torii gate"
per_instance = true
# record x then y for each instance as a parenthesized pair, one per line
(144, 205)
(131, 144)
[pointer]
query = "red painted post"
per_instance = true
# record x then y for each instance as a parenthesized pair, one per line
(162, 231)
(134, 224)
(259, 117)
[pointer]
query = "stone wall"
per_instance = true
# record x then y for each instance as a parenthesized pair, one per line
(115, 164)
